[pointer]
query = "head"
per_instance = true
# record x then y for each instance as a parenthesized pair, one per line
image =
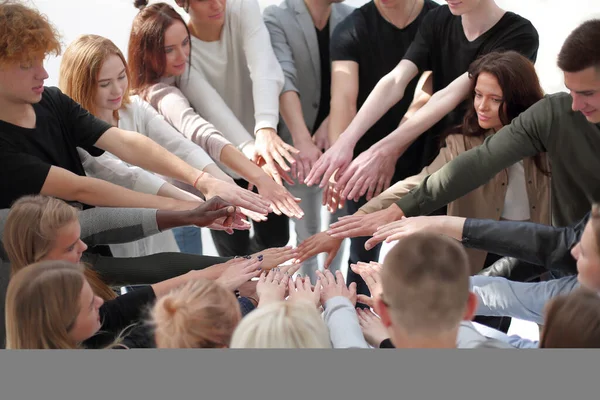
(50, 305)
(26, 38)
(205, 12)
(587, 252)
(200, 314)
(94, 73)
(572, 321)
(503, 85)
(41, 228)
(159, 45)
(425, 284)
(462, 7)
(282, 325)
(579, 59)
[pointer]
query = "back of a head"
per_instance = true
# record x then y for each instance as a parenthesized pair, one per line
(25, 33)
(200, 314)
(80, 66)
(42, 304)
(572, 321)
(282, 325)
(581, 50)
(31, 227)
(425, 283)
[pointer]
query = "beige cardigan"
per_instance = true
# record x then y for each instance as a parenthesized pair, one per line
(485, 202)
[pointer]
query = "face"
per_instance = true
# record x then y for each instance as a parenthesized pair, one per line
(461, 7)
(23, 83)
(487, 102)
(67, 245)
(584, 87)
(88, 320)
(587, 254)
(207, 12)
(177, 49)
(112, 84)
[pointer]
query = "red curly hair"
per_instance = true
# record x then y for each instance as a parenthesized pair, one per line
(25, 33)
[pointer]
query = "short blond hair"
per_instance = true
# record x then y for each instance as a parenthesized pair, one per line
(282, 325)
(200, 314)
(425, 283)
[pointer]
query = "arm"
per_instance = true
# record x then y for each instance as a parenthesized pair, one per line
(344, 328)
(423, 93)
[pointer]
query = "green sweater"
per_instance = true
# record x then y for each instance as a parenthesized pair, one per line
(550, 125)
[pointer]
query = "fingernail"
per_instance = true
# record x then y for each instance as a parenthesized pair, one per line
(247, 257)
(260, 257)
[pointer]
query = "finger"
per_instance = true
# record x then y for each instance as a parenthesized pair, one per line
(325, 197)
(342, 178)
(330, 257)
(374, 241)
(339, 278)
(291, 286)
(380, 186)
(329, 276)
(361, 298)
(286, 177)
(353, 188)
(352, 289)
(301, 166)
(316, 171)
(372, 189)
(284, 150)
(280, 161)
(322, 277)
(365, 187)
(307, 284)
(332, 168)
(295, 169)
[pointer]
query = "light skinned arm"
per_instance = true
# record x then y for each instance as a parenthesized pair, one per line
(139, 150)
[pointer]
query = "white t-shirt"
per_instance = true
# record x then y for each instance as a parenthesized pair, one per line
(516, 202)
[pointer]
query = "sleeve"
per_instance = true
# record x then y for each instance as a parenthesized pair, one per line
(181, 118)
(265, 71)
(109, 168)
(524, 137)
(420, 49)
(209, 103)
(107, 225)
(345, 45)
(344, 328)
(281, 48)
(400, 189)
(20, 174)
(85, 128)
(127, 309)
(387, 344)
(535, 243)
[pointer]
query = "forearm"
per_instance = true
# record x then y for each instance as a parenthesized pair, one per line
(238, 162)
(291, 112)
(535, 243)
(173, 192)
(341, 114)
(344, 328)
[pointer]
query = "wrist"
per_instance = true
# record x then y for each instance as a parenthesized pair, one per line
(395, 212)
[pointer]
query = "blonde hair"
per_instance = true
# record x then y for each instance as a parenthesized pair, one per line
(425, 283)
(80, 67)
(200, 314)
(572, 321)
(282, 324)
(30, 233)
(42, 305)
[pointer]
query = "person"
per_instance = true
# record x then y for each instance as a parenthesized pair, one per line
(156, 85)
(41, 128)
(200, 314)
(94, 73)
(460, 32)
(564, 125)
(503, 85)
(300, 34)
(572, 321)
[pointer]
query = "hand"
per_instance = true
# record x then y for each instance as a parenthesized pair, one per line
(335, 286)
(274, 171)
(270, 147)
(248, 289)
(371, 274)
(217, 212)
(302, 290)
(234, 194)
(316, 244)
(370, 173)
(372, 327)
(275, 256)
(360, 224)
(321, 137)
(337, 158)
(331, 197)
(271, 287)
(282, 201)
(308, 156)
(443, 224)
(240, 270)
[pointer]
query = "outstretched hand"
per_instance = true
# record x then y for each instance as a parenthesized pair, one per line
(217, 213)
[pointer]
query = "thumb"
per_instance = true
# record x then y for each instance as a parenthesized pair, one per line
(361, 298)
(329, 260)
(225, 212)
(352, 288)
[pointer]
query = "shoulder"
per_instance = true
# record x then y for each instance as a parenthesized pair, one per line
(54, 96)
(513, 23)
(438, 13)
(430, 5)
(343, 9)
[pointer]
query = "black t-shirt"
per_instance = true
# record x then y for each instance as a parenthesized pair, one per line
(26, 155)
(442, 47)
(323, 39)
(378, 46)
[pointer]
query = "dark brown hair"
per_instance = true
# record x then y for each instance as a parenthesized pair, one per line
(572, 321)
(520, 86)
(581, 49)
(146, 54)
(595, 218)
